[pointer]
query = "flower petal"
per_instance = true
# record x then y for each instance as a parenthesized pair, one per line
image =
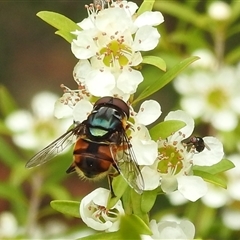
(212, 153)
(183, 116)
(81, 110)
(192, 187)
(149, 112)
(151, 178)
(146, 38)
(149, 18)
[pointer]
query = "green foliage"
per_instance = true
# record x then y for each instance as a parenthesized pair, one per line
(165, 129)
(64, 25)
(156, 84)
(66, 207)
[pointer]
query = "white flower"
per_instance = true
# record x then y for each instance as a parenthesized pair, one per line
(207, 59)
(8, 225)
(109, 45)
(171, 230)
(94, 213)
(34, 131)
(145, 149)
(219, 10)
(173, 168)
(212, 96)
(234, 178)
(231, 218)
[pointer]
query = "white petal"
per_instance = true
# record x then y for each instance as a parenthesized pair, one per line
(84, 46)
(176, 198)
(111, 20)
(225, 120)
(62, 110)
(169, 184)
(149, 18)
(188, 228)
(216, 197)
(231, 218)
(182, 116)
(98, 197)
(145, 151)
(20, 120)
(151, 178)
(129, 7)
(128, 80)
(81, 71)
(146, 39)
(100, 83)
(88, 23)
(192, 187)
(212, 154)
(149, 112)
(81, 110)
(43, 104)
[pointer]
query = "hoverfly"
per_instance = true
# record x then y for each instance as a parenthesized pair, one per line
(198, 143)
(102, 147)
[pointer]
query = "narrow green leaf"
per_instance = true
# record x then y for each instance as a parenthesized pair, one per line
(155, 61)
(211, 178)
(147, 5)
(219, 167)
(148, 200)
(7, 103)
(60, 22)
(166, 78)
(66, 207)
(166, 128)
(66, 35)
(119, 185)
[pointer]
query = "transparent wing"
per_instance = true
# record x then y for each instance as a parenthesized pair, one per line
(55, 147)
(126, 163)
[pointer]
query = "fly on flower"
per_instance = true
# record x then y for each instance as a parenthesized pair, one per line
(102, 147)
(198, 143)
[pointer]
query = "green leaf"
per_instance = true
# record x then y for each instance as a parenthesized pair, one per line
(66, 207)
(64, 25)
(136, 200)
(9, 156)
(166, 78)
(166, 128)
(66, 35)
(155, 61)
(56, 191)
(211, 178)
(132, 226)
(119, 185)
(148, 200)
(7, 103)
(147, 5)
(219, 167)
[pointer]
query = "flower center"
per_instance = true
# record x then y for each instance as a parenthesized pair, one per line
(217, 98)
(170, 160)
(114, 52)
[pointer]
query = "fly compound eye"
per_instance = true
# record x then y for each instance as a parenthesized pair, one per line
(113, 102)
(117, 114)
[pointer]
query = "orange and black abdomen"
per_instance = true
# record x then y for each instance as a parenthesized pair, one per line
(92, 160)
